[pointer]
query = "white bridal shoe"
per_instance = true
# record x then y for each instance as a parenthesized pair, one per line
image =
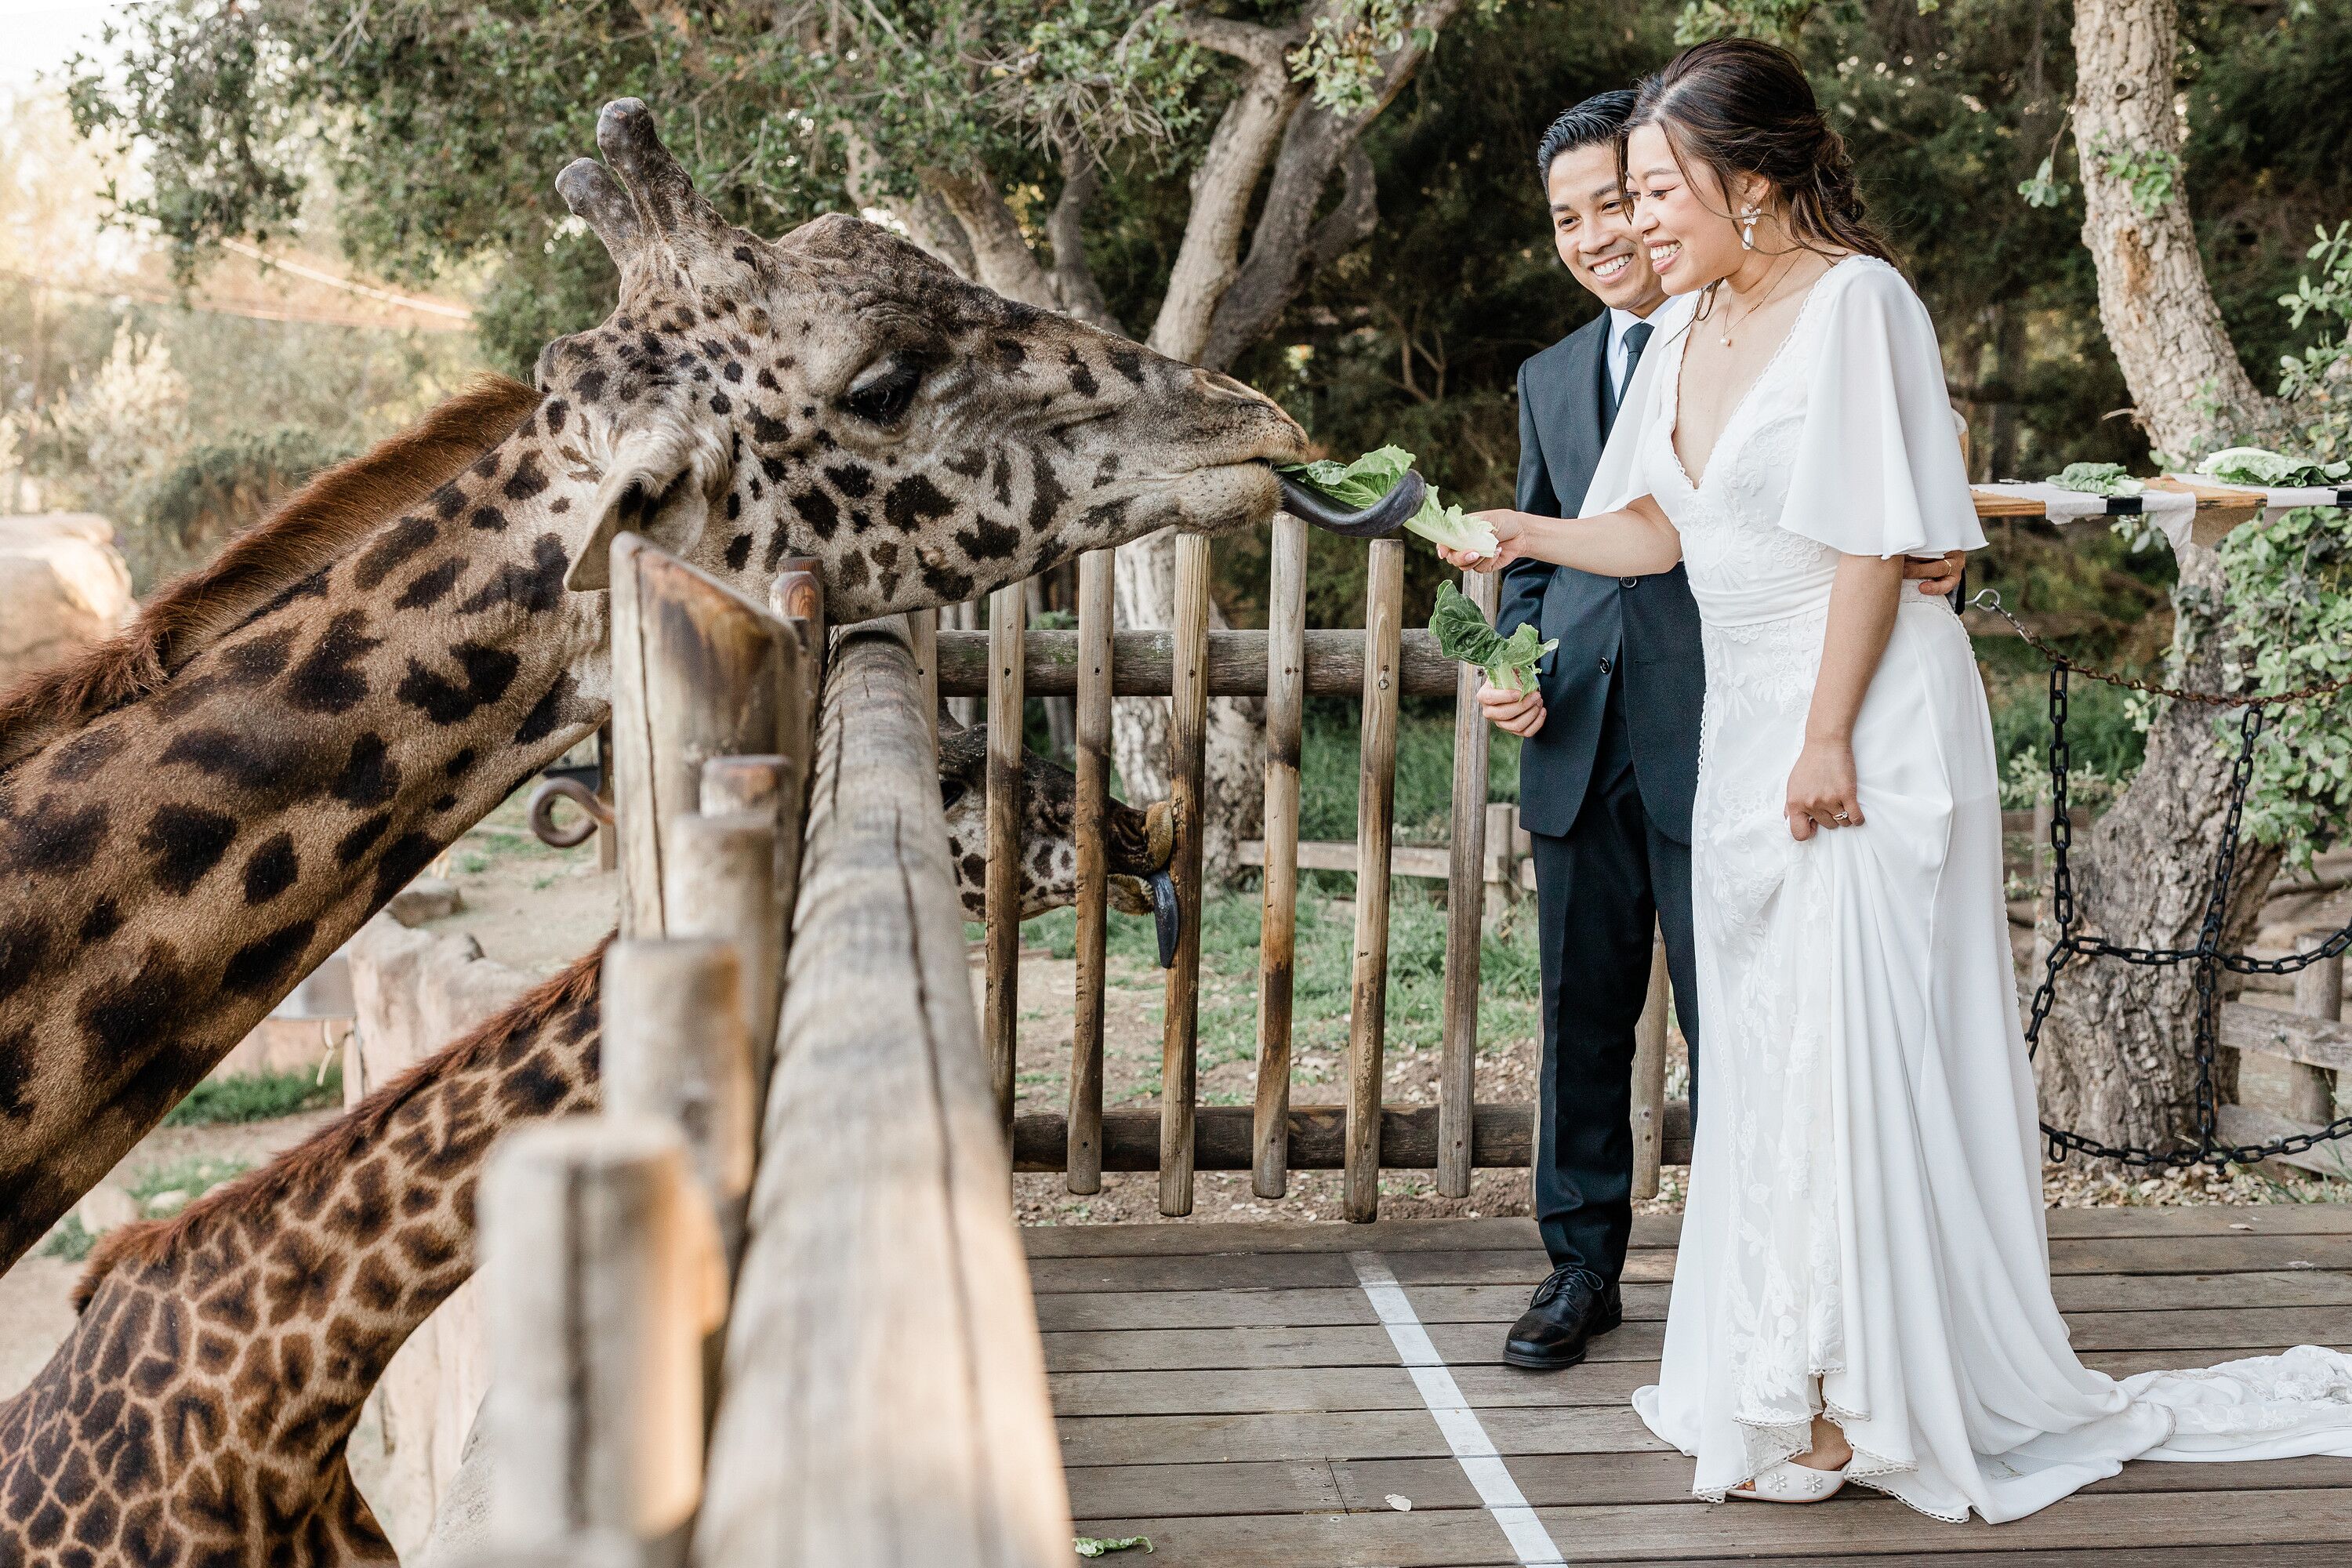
(1790, 1482)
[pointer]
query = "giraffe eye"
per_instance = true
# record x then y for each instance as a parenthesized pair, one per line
(883, 393)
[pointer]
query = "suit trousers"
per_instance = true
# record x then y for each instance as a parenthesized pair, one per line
(1599, 887)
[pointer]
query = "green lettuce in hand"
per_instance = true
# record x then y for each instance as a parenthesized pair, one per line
(1463, 634)
(1359, 484)
(2275, 470)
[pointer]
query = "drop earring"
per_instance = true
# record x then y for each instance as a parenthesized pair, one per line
(1748, 227)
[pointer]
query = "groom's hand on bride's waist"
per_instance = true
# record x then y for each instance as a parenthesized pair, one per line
(1936, 575)
(1520, 712)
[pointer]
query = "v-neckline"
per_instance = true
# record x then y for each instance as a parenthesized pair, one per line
(1796, 324)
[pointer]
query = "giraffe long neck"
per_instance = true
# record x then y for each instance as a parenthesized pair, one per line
(168, 871)
(237, 1342)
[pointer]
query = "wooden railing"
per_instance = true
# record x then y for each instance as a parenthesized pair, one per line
(769, 1307)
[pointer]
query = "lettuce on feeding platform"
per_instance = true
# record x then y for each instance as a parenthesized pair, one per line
(2260, 466)
(1463, 634)
(2097, 479)
(1359, 484)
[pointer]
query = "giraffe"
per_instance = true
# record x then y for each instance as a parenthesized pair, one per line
(195, 814)
(199, 1408)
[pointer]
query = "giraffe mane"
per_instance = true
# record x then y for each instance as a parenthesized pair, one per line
(332, 1150)
(309, 528)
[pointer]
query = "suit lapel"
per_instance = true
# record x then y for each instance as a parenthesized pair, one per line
(1584, 418)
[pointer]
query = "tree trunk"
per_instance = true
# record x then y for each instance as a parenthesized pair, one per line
(2118, 1060)
(2117, 1056)
(2186, 383)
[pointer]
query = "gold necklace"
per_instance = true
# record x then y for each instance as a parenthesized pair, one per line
(1788, 268)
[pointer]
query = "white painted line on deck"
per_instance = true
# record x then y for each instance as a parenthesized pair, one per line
(1464, 1433)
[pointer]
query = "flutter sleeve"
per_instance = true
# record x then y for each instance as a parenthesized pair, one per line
(1878, 468)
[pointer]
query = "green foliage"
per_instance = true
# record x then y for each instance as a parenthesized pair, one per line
(2290, 625)
(2318, 381)
(2043, 188)
(69, 1241)
(2152, 174)
(216, 489)
(258, 1097)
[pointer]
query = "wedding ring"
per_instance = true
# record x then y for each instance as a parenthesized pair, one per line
(1839, 817)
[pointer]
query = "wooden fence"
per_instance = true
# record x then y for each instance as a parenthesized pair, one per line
(1284, 664)
(769, 1306)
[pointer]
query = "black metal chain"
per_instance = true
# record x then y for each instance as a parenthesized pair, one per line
(2210, 962)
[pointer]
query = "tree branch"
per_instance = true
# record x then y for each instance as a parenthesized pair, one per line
(1000, 255)
(1289, 247)
(1074, 280)
(1260, 48)
(1228, 174)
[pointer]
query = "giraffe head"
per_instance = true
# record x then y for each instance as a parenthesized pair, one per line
(839, 394)
(1136, 843)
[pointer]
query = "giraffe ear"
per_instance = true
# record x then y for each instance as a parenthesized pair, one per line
(660, 484)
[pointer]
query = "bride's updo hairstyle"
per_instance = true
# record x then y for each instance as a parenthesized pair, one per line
(1741, 106)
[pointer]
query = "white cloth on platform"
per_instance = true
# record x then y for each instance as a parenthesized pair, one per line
(1864, 1221)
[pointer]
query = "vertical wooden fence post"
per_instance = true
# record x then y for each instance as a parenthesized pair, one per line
(723, 887)
(608, 835)
(2319, 993)
(1465, 913)
(1286, 704)
(593, 1309)
(676, 1049)
(1092, 718)
(923, 636)
(1005, 673)
(1649, 1111)
(1187, 757)
(1375, 819)
(699, 672)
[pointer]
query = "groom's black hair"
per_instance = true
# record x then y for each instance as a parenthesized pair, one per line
(1601, 118)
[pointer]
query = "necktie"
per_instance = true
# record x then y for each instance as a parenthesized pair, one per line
(1636, 337)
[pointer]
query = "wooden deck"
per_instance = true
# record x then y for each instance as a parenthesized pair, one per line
(1233, 1392)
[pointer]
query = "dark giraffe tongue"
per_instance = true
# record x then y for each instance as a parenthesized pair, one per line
(1382, 518)
(1167, 916)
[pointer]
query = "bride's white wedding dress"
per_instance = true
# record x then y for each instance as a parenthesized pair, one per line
(1865, 1211)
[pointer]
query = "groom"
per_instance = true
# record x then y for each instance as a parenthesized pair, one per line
(1611, 754)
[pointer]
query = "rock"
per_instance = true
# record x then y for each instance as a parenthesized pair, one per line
(63, 586)
(169, 1202)
(425, 899)
(106, 1207)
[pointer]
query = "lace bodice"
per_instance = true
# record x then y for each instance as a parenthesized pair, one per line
(1744, 567)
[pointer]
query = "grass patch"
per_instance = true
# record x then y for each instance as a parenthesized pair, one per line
(1328, 764)
(184, 1181)
(67, 1240)
(195, 1178)
(262, 1097)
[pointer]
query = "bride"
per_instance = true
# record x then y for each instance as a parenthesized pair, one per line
(1862, 1290)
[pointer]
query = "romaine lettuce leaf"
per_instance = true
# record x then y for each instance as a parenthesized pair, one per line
(2276, 470)
(1463, 634)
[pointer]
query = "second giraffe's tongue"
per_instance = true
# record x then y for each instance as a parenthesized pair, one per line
(1382, 518)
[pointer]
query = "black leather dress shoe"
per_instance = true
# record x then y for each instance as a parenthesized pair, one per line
(1569, 1307)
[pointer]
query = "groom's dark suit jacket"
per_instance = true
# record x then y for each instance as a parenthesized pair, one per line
(1647, 623)
(1605, 786)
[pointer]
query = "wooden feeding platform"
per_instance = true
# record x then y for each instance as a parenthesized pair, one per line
(1266, 1396)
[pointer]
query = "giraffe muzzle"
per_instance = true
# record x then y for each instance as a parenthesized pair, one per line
(1377, 520)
